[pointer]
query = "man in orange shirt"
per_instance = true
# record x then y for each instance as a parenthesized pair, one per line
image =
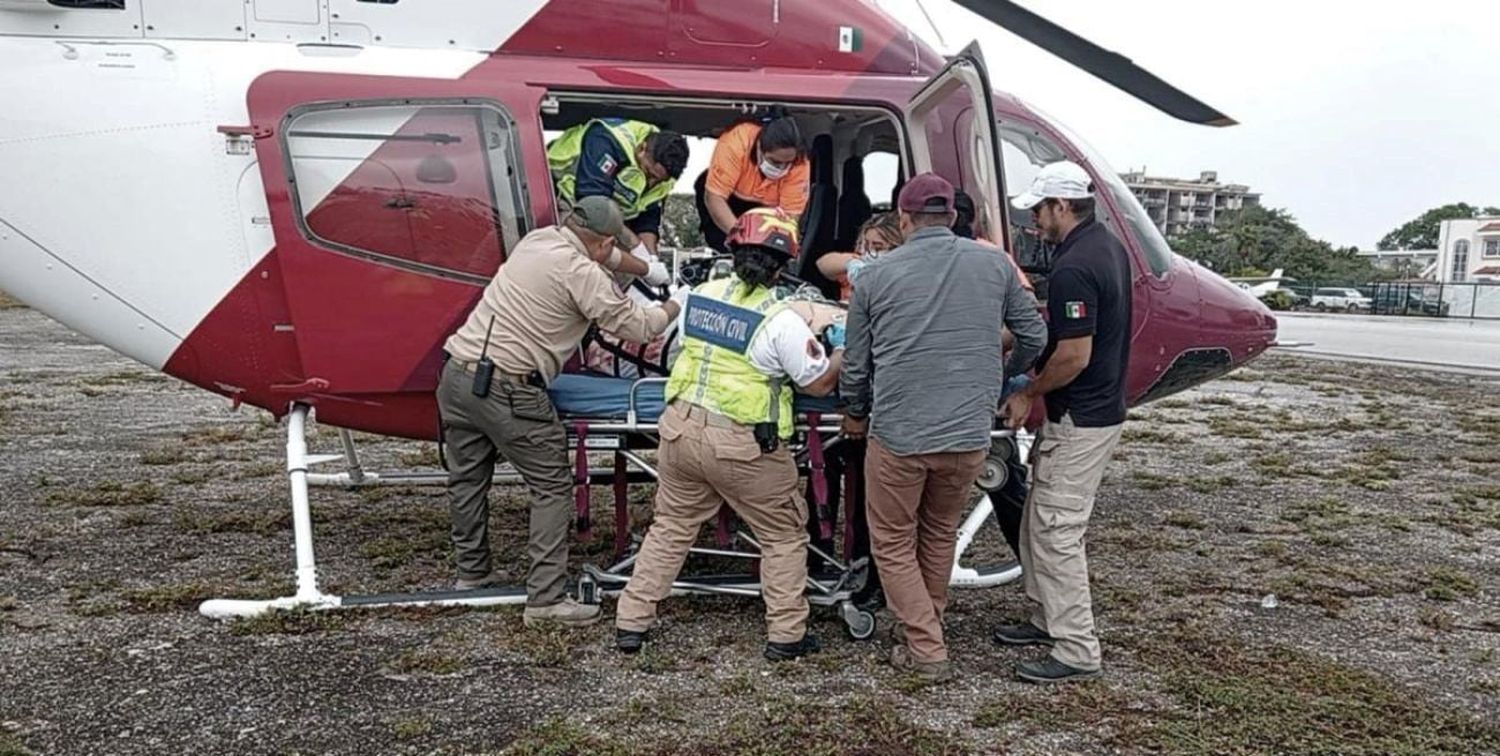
(754, 165)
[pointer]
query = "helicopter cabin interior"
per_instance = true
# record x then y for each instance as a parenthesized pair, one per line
(842, 142)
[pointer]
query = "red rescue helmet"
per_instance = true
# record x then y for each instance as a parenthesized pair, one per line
(766, 227)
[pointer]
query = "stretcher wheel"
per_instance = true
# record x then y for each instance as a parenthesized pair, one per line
(859, 623)
(996, 470)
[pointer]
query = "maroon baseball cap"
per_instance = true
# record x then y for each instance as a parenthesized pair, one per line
(926, 193)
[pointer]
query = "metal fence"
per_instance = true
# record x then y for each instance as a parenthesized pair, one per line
(1480, 301)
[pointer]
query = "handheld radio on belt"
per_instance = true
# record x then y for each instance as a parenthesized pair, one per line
(484, 370)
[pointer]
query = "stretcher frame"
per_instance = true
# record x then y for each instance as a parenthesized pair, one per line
(624, 438)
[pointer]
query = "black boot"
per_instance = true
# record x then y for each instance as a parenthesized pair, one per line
(787, 651)
(1024, 634)
(629, 641)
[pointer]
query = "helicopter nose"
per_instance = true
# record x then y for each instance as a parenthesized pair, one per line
(1234, 318)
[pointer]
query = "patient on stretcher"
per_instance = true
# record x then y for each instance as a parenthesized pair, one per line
(604, 354)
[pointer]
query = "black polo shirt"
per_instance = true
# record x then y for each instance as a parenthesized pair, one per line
(1088, 294)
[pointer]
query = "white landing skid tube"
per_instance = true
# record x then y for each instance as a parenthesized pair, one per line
(985, 576)
(308, 597)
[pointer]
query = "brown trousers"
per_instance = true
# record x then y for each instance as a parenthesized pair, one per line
(915, 505)
(1067, 464)
(515, 423)
(707, 460)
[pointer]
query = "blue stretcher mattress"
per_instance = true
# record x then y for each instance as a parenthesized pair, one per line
(596, 397)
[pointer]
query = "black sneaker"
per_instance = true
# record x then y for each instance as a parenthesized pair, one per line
(1024, 634)
(1050, 670)
(629, 641)
(787, 651)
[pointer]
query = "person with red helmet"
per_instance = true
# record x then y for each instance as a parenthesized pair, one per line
(724, 435)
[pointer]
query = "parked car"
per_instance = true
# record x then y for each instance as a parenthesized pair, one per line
(1324, 300)
(1389, 300)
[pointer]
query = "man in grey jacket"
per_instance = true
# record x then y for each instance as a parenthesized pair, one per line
(923, 375)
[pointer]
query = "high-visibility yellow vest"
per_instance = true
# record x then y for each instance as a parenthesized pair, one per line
(633, 190)
(714, 370)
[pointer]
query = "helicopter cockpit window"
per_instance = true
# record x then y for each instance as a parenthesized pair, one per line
(1158, 251)
(431, 184)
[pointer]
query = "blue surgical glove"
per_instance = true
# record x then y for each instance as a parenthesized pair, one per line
(855, 266)
(835, 335)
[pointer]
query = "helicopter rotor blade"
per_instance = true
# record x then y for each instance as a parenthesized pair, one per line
(1110, 66)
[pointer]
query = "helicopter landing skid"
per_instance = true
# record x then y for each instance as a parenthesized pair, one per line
(308, 596)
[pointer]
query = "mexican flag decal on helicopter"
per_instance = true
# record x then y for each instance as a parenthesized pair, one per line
(851, 39)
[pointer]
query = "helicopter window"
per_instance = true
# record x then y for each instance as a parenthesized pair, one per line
(1158, 251)
(92, 4)
(1025, 150)
(432, 184)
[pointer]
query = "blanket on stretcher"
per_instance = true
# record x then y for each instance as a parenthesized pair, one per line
(593, 397)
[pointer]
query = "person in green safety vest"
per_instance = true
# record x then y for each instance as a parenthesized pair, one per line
(632, 162)
(724, 435)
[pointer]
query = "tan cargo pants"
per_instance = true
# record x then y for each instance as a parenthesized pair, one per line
(1067, 464)
(706, 460)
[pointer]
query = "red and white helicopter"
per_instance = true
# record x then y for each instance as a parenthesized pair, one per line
(292, 203)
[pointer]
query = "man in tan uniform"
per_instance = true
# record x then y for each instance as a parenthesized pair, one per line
(530, 318)
(724, 436)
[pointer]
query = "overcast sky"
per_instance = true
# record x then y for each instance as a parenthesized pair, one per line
(1354, 118)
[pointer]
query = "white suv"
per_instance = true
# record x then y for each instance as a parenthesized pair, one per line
(1339, 299)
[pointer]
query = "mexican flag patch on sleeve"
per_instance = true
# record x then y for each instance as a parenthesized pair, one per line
(1075, 310)
(607, 165)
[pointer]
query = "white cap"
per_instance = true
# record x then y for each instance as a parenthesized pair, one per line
(1064, 179)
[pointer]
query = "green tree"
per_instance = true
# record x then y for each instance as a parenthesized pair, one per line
(1422, 232)
(1258, 239)
(679, 222)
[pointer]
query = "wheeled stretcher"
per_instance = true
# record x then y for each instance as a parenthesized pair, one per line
(616, 419)
(619, 416)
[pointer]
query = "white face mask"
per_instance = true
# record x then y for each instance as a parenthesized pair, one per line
(773, 171)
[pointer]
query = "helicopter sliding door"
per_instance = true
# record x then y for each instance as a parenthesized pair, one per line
(393, 202)
(953, 135)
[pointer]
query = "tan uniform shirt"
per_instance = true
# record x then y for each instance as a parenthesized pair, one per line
(542, 301)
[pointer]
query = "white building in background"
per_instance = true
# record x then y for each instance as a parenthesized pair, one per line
(1410, 263)
(1469, 250)
(1177, 206)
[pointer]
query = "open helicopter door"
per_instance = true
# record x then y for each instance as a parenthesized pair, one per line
(393, 202)
(953, 134)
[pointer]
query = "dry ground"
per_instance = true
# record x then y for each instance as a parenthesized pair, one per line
(1367, 499)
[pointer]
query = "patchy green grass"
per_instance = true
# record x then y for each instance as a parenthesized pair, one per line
(257, 521)
(1186, 520)
(1147, 435)
(1211, 483)
(10, 745)
(1215, 694)
(219, 434)
(428, 661)
(545, 647)
(562, 736)
(1271, 549)
(1216, 458)
(108, 494)
(1150, 481)
(1450, 584)
(121, 378)
(1437, 619)
(295, 622)
(164, 455)
(171, 597)
(1228, 426)
(408, 728)
(392, 551)
(8, 302)
(1217, 400)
